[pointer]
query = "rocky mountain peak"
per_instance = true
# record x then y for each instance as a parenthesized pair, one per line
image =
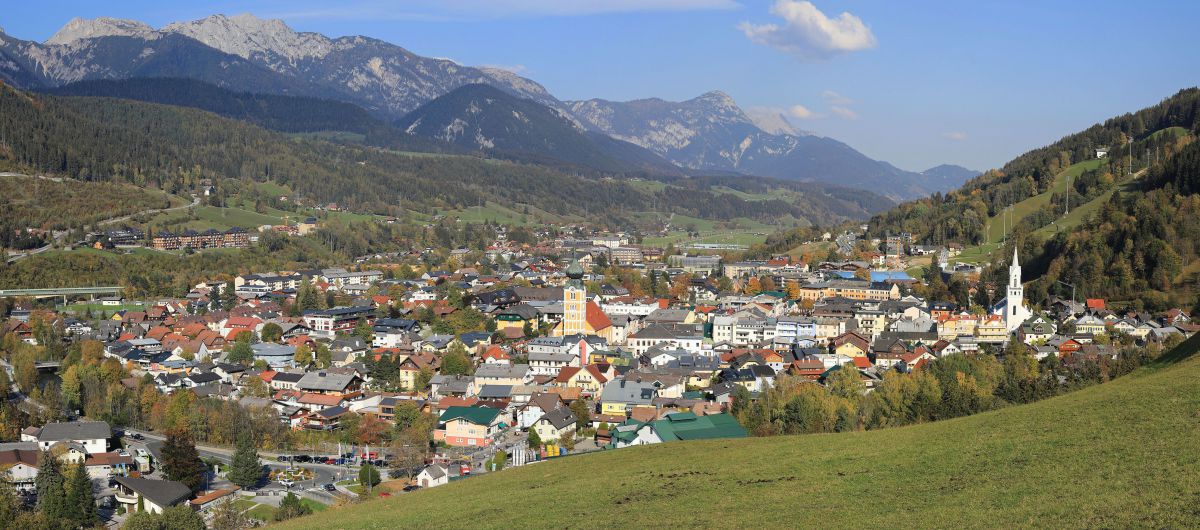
(83, 28)
(771, 121)
(715, 96)
(719, 104)
(246, 35)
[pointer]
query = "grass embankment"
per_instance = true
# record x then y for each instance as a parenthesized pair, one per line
(997, 223)
(1118, 455)
(266, 512)
(57, 203)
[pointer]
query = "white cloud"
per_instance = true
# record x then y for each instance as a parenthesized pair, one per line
(957, 136)
(800, 112)
(833, 98)
(844, 112)
(809, 34)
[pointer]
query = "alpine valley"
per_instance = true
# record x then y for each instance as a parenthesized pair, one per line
(707, 135)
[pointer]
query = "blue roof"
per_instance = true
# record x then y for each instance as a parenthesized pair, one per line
(880, 276)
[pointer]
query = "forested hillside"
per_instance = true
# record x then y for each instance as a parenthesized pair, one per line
(291, 114)
(172, 149)
(961, 216)
(1138, 248)
(1142, 247)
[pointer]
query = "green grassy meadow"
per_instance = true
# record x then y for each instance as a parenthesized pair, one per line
(1119, 455)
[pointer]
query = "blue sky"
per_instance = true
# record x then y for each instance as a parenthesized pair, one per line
(914, 83)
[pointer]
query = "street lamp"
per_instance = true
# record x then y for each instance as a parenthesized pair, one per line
(1072, 286)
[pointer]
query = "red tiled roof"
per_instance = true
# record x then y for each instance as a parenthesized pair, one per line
(596, 317)
(513, 333)
(107, 459)
(566, 373)
(213, 495)
(323, 400)
(158, 332)
(233, 333)
(242, 322)
(454, 401)
(495, 352)
(594, 369)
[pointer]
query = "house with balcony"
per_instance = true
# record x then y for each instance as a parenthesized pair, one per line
(150, 495)
(468, 426)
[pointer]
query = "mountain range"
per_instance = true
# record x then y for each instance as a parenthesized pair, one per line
(710, 133)
(482, 117)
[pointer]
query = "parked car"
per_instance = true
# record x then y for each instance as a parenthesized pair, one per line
(137, 436)
(412, 487)
(329, 487)
(283, 458)
(287, 483)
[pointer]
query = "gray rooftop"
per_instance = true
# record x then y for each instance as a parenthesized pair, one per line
(160, 492)
(325, 381)
(75, 430)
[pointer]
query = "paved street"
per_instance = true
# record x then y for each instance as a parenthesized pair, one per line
(322, 473)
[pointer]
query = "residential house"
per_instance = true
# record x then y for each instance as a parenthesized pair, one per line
(468, 426)
(554, 424)
(150, 495)
(433, 475)
(502, 374)
(91, 436)
(621, 397)
(539, 404)
(677, 426)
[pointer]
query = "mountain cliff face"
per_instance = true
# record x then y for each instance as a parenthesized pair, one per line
(381, 77)
(242, 53)
(711, 132)
(483, 118)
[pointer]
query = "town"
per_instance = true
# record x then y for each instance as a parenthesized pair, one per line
(285, 392)
(568, 264)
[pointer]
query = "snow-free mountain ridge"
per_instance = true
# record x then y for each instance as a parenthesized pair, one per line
(245, 53)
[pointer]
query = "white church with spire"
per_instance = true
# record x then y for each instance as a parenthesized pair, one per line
(1013, 308)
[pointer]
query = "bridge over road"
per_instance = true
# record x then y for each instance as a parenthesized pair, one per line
(61, 291)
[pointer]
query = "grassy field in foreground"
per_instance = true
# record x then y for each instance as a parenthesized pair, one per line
(1118, 455)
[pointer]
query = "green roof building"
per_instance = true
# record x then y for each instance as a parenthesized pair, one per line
(675, 427)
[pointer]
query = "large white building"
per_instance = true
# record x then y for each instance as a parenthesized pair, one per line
(91, 436)
(1013, 307)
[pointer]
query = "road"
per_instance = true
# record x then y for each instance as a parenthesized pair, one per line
(505, 441)
(111, 220)
(322, 473)
(57, 238)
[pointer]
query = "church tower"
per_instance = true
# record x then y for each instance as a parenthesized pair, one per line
(574, 301)
(1015, 312)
